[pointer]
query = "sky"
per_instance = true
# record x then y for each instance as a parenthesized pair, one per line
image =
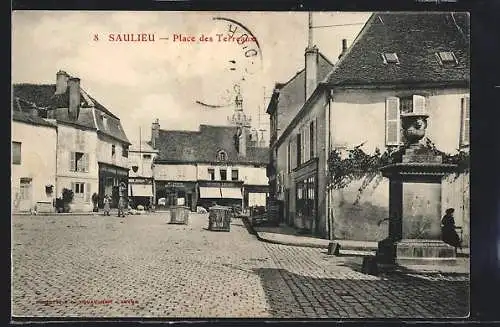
(165, 79)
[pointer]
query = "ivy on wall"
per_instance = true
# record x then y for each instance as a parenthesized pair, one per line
(358, 165)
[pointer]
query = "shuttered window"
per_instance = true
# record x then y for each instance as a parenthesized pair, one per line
(392, 121)
(79, 162)
(465, 128)
(299, 150)
(419, 104)
(311, 140)
(306, 144)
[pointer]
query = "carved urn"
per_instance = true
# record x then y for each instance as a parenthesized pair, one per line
(414, 127)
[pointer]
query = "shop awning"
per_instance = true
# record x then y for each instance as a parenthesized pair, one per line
(210, 193)
(231, 193)
(140, 190)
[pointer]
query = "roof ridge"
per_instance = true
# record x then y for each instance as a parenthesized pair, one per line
(326, 59)
(369, 23)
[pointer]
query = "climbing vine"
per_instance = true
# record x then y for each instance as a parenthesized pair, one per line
(358, 165)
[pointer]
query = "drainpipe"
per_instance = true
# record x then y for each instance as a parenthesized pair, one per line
(329, 223)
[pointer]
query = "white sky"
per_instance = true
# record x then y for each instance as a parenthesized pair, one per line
(140, 81)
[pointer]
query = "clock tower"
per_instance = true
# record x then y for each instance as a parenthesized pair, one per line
(242, 121)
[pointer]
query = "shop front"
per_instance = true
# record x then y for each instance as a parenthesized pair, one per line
(110, 178)
(140, 192)
(255, 195)
(306, 197)
(169, 193)
(225, 193)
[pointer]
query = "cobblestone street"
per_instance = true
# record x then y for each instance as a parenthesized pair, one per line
(140, 266)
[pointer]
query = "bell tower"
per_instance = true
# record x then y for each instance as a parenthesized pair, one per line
(242, 121)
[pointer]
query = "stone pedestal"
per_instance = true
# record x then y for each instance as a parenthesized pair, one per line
(415, 211)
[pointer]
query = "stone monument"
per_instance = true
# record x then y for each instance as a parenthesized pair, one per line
(415, 202)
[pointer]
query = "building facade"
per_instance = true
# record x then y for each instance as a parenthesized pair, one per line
(216, 164)
(92, 148)
(381, 76)
(141, 179)
(33, 169)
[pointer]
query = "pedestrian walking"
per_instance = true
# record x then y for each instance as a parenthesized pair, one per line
(122, 202)
(121, 206)
(107, 205)
(448, 232)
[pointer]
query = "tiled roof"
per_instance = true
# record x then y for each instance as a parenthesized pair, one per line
(415, 38)
(30, 119)
(42, 96)
(203, 146)
(145, 147)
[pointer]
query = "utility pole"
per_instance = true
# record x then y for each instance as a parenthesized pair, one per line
(310, 34)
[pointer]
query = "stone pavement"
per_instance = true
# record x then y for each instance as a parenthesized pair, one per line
(287, 236)
(140, 266)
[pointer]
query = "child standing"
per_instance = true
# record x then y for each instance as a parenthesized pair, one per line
(107, 205)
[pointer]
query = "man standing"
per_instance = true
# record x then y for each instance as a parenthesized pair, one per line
(121, 202)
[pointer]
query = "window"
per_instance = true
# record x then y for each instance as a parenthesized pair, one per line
(211, 173)
(446, 58)
(16, 153)
(79, 162)
(113, 150)
(25, 192)
(311, 140)
(465, 128)
(392, 121)
(105, 122)
(146, 156)
(299, 150)
(125, 151)
(78, 189)
(305, 144)
(390, 58)
(306, 195)
(234, 174)
(221, 155)
(412, 104)
(223, 174)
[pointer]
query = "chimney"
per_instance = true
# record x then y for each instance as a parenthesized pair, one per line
(61, 82)
(242, 147)
(74, 97)
(311, 58)
(344, 48)
(155, 132)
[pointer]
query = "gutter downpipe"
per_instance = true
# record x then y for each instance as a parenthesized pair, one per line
(328, 146)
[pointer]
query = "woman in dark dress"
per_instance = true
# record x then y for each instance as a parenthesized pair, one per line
(448, 232)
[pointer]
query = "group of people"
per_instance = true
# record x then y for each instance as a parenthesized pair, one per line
(122, 205)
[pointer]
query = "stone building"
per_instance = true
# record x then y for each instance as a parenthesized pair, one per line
(399, 63)
(92, 148)
(222, 164)
(33, 169)
(141, 179)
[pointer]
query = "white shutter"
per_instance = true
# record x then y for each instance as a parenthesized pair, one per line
(87, 192)
(72, 161)
(419, 104)
(392, 121)
(465, 129)
(86, 162)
